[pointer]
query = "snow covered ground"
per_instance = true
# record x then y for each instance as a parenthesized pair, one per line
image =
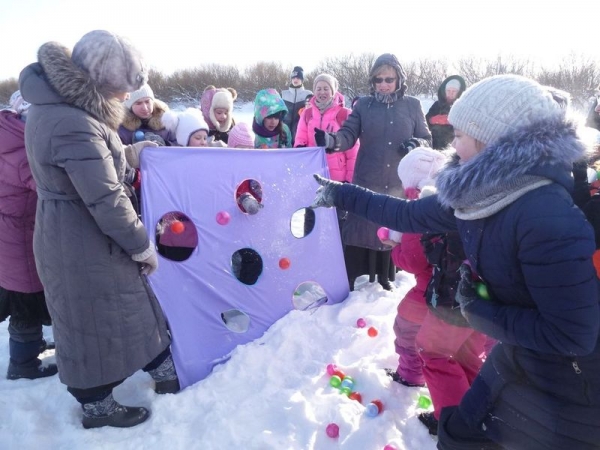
(273, 393)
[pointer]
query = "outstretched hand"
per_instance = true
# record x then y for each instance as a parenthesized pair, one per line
(325, 194)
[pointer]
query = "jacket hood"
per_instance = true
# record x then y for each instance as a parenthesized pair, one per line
(442, 88)
(55, 79)
(390, 60)
(546, 149)
(133, 122)
(267, 103)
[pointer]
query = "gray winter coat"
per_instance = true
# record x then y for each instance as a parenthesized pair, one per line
(105, 324)
(382, 128)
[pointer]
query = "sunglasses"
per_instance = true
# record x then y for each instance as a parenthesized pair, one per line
(381, 80)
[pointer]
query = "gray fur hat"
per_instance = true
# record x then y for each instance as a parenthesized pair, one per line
(498, 105)
(111, 61)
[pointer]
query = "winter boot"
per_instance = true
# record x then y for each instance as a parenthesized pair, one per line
(385, 283)
(398, 379)
(165, 377)
(47, 346)
(109, 413)
(428, 419)
(24, 361)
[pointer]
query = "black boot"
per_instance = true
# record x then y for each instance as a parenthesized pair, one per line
(398, 379)
(24, 361)
(428, 419)
(30, 371)
(385, 284)
(165, 377)
(109, 413)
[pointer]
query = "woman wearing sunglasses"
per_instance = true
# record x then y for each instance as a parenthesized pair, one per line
(389, 124)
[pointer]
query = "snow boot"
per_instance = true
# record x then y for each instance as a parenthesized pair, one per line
(24, 361)
(165, 377)
(398, 379)
(428, 419)
(109, 413)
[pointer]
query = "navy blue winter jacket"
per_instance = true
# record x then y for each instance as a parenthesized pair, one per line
(535, 256)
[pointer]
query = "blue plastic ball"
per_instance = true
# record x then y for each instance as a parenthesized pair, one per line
(372, 410)
(348, 383)
(139, 135)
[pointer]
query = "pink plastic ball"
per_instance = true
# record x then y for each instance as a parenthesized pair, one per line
(223, 217)
(331, 369)
(361, 323)
(383, 233)
(390, 447)
(332, 430)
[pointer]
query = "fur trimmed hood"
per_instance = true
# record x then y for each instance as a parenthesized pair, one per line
(56, 79)
(547, 149)
(133, 122)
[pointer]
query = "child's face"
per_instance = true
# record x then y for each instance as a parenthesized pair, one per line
(271, 122)
(221, 114)
(198, 139)
(143, 108)
(297, 82)
(466, 146)
(451, 94)
(323, 92)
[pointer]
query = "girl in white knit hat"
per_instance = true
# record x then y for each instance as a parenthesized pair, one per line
(507, 191)
(188, 126)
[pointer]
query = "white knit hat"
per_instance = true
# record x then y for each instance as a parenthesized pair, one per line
(497, 106)
(143, 92)
(241, 136)
(453, 84)
(223, 98)
(418, 168)
(184, 124)
(330, 80)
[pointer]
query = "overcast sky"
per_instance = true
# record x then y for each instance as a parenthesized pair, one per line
(178, 34)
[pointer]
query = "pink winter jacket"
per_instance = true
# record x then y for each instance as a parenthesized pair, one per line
(410, 257)
(18, 200)
(341, 164)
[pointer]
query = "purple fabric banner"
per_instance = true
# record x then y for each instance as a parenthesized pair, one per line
(207, 244)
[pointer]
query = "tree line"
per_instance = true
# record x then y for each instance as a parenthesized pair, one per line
(577, 74)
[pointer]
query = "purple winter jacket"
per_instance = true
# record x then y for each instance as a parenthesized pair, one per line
(18, 200)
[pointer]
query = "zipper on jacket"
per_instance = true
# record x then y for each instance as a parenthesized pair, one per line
(576, 367)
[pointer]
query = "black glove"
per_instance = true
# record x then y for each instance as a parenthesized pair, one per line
(153, 137)
(325, 139)
(325, 193)
(466, 292)
(408, 145)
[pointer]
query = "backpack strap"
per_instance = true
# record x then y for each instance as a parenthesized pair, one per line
(340, 117)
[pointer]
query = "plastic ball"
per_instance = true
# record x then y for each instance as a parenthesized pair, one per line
(332, 430)
(482, 291)
(355, 396)
(339, 373)
(345, 390)
(372, 410)
(361, 323)
(335, 381)
(372, 332)
(390, 447)
(177, 227)
(423, 402)
(223, 217)
(379, 404)
(383, 233)
(284, 263)
(139, 135)
(331, 368)
(348, 383)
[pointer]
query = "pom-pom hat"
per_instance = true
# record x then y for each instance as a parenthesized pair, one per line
(184, 124)
(497, 106)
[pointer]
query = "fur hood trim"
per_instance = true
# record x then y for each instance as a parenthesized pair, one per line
(76, 87)
(545, 149)
(133, 122)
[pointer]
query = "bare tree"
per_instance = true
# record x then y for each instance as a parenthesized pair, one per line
(259, 76)
(7, 87)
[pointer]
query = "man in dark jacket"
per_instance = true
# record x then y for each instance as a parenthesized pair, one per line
(295, 98)
(507, 192)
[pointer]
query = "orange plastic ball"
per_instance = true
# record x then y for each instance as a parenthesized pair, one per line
(177, 227)
(373, 332)
(284, 263)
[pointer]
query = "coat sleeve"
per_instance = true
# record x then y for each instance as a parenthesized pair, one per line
(79, 146)
(555, 255)
(350, 131)
(425, 215)
(302, 138)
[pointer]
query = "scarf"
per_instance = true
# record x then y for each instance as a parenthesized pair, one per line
(323, 106)
(262, 131)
